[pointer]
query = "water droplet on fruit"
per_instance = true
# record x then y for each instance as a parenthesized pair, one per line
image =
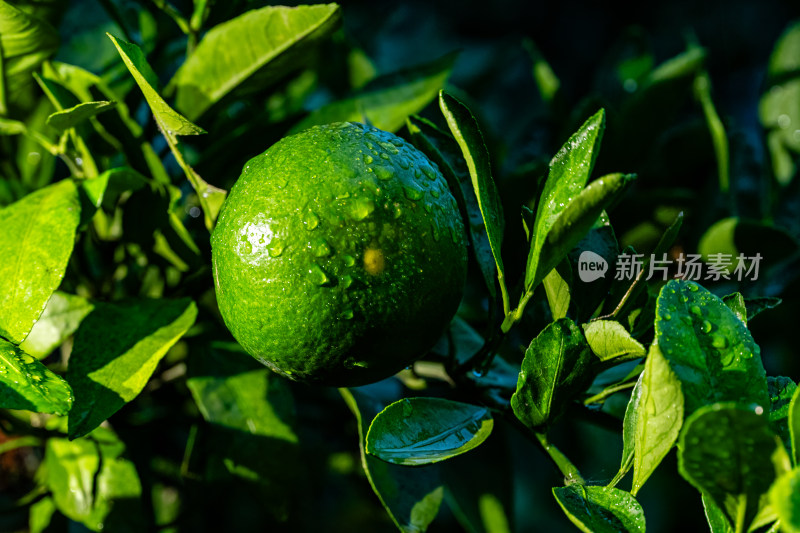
(384, 173)
(275, 248)
(429, 172)
(412, 193)
(403, 162)
(317, 275)
(361, 208)
(384, 155)
(434, 193)
(320, 248)
(310, 220)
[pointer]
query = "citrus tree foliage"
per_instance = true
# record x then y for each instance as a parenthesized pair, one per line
(568, 390)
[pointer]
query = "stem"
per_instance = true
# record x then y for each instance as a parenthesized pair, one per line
(740, 513)
(503, 292)
(19, 443)
(564, 465)
(516, 315)
(605, 393)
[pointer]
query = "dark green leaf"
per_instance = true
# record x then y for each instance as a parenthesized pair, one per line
(25, 383)
(785, 499)
(69, 118)
(778, 109)
(418, 431)
(411, 496)
(26, 41)
(659, 415)
(556, 368)
(794, 425)
(105, 189)
(442, 149)
(92, 483)
(708, 348)
(596, 509)
(466, 132)
(733, 236)
(609, 339)
(629, 432)
(725, 451)
(781, 389)
(571, 225)
(569, 171)
(35, 244)
(60, 319)
(116, 350)
(387, 101)
(278, 37)
(756, 306)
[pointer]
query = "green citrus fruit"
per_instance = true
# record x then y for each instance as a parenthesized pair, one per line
(339, 256)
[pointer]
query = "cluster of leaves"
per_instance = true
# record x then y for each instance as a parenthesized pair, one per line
(120, 385)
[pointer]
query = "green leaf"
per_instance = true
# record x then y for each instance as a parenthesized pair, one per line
(556, 368)
(734, 236)
(60, 319)
(411, 496)
(595, 509)
(116, 350)
(387, 101)
(442, 149)
(785, 499)
(757, 305)
(278, 38)
(717, 521)
(778, 109)
(781, 389)
(609, 339)
(569, 172)
(794, 425)
(40, 515)
(557, 286)
(736, 303)
(105, 189)
(12, 127)
(69, 118)
(25, 41)
(659, 415)
(418, 431)
(708, 348)
(92, 483)
(25, 383)
(466, 132)
(629, 432)
(169, 121)
(35, 244)
(725, 452)
(570, 225)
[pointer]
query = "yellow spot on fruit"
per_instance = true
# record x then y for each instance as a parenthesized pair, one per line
(374, 261)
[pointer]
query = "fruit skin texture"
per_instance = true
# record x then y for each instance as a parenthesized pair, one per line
(339, 256)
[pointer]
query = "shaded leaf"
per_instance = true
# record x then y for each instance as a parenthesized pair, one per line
(105, 189)
(418, 431)
(659, 415)
(466, 132)
(736, 304)
(411, 496)
(25, 383)
(69, 118)
(116, 349)
(35, 244)
(708, 348)
(595, 509)
(609, 339)
(12, 127)
(725, 452)
(756, 306)
(785, 499)
(387, 101)
(442, 149)
(277, 39)
(92, 483)
(556, 368)
(60, 319)
(794, 425)
(781, 389)
(629, 432)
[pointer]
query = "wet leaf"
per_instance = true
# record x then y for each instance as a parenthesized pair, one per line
(781, 389)
(418, 431)
(595, 509)
(25, 383)
(609, 339)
